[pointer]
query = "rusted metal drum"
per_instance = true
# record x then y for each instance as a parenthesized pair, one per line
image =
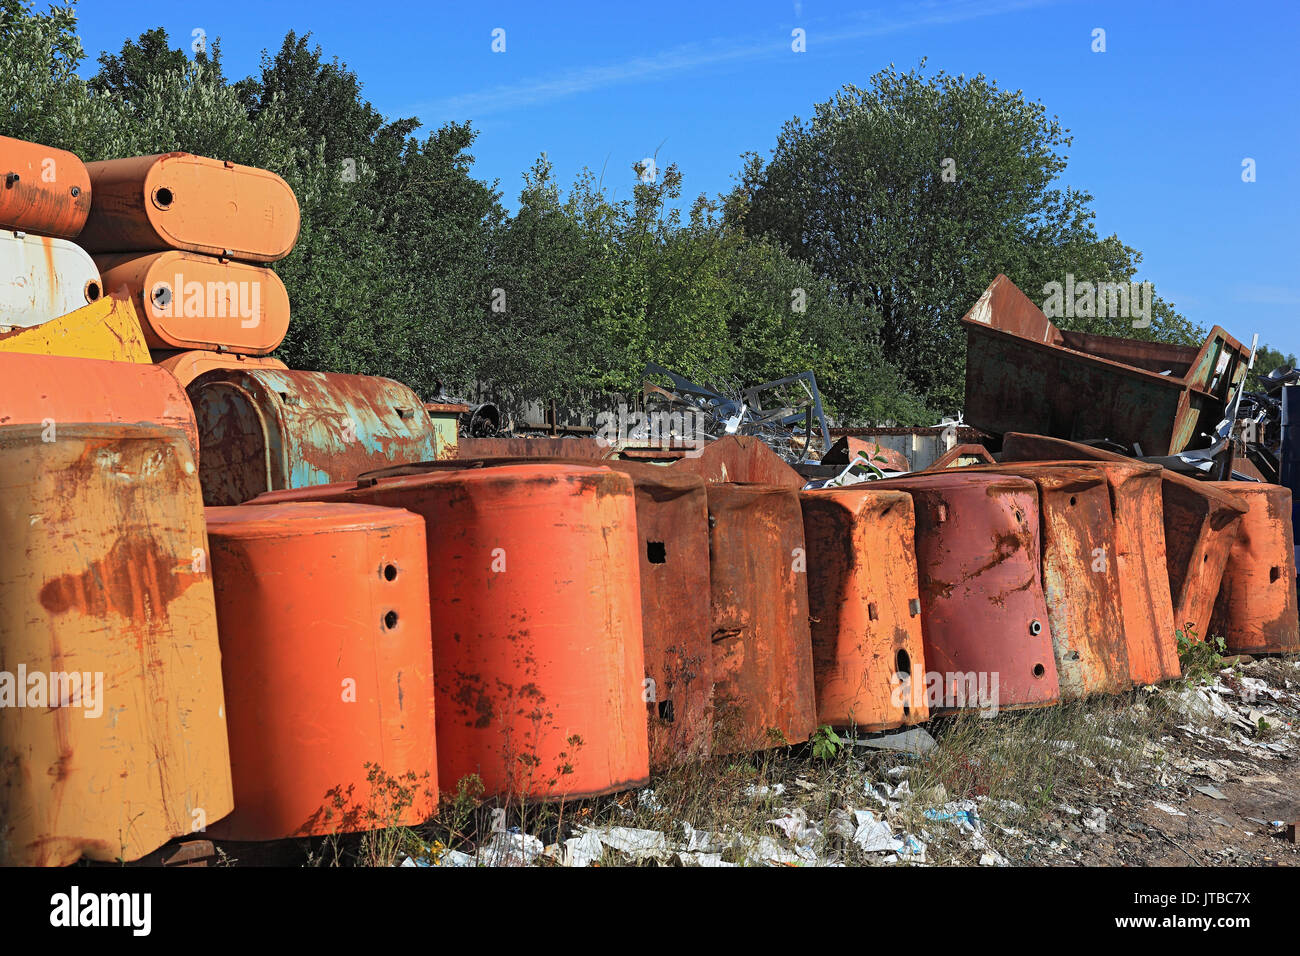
(323, 612)
(182, 201)
(1200, 524)
(52, 391)
(865, 607)
(42, 189)
(263, 429)
(42, 279)
(1256, 607)
(104, 576)
(763, 694)
(190, 301)
(188, 366)
(740, 458)
(536, 606)
(107, 329)
(983, 614)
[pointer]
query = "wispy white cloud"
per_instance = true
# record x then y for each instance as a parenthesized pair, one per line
(696, 56)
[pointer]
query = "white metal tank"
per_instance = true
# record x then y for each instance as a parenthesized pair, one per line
(42, 279)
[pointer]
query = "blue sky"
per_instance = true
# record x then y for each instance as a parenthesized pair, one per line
(1162, 120)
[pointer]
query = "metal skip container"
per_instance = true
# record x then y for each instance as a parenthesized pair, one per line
(263, 429)
(535, 599)
(1200, 525)
(190, 301)
(865, 607)
(763, 694)
(108, 329)
(182, 201)
(983, 614)
(44, 190)
(112, 714)
(1256, 608)
(42, 279)
(323, 612)
(53, 391)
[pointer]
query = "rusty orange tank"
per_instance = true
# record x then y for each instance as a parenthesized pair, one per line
(763, 694)
(189, 301)
(865, 607)
(45, 191)
(536, 606)
(740, 458)
(53, 391)
(103, 576)
(984, 618)
(1256, 608)
(182, 201)
(323, 612)
(1200, 525)
(188, 366)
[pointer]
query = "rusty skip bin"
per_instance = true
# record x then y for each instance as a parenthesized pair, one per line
(44, 190)
(263, 429)
(983, 614)
(42, 279)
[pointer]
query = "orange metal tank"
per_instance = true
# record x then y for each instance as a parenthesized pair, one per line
(182, 201)
(535, 596)
(1256, 608)
(865, 607)
(104, 576)
(51, 391)
(763, 694)
(45, 190)
(188, 366)
(190, 301)
(740, 458)
(983, 614)
(323, 612)
(1200, 525)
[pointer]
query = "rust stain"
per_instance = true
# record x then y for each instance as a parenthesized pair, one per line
(136, 579)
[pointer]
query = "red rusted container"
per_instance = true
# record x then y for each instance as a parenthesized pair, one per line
(740, 458)
(323, 613)
(1256, 608)
(535, 599)
(864, 605)
(182, 201)
(763, 694)
(1200, 525)
(45, 191)
(54, 390)
(983, 614)
(188, 301)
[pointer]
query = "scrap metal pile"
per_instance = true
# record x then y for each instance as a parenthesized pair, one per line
(275, 585)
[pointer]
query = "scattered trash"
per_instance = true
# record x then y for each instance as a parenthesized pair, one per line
(1166, 808)
(914, 740)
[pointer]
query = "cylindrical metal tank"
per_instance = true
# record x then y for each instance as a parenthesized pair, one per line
(112, 714)
(182, 201)
(535, 599)
(983, 614)
(52, 391)
(188, 366)
(865, 607)
(263, 429)
(44, 190)
(42, 279)
(323, 613)
(1256, 608)
(189, 301)
(763, 694)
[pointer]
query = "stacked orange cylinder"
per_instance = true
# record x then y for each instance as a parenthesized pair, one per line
(45, 191)
(535, 599)
(323, 613)
(864, 604)
(105, 594)
(763, 694)
(1256, 609)
(188, 237)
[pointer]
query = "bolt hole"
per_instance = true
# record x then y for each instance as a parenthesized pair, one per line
(390, 572)
(1039, 670)
(666, 711)
(162, 197)
(1205, 557)
(656, 552)
(1035, 628)
(92, 291)
(1274, 573)
(390, 620)
(1073, 501)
